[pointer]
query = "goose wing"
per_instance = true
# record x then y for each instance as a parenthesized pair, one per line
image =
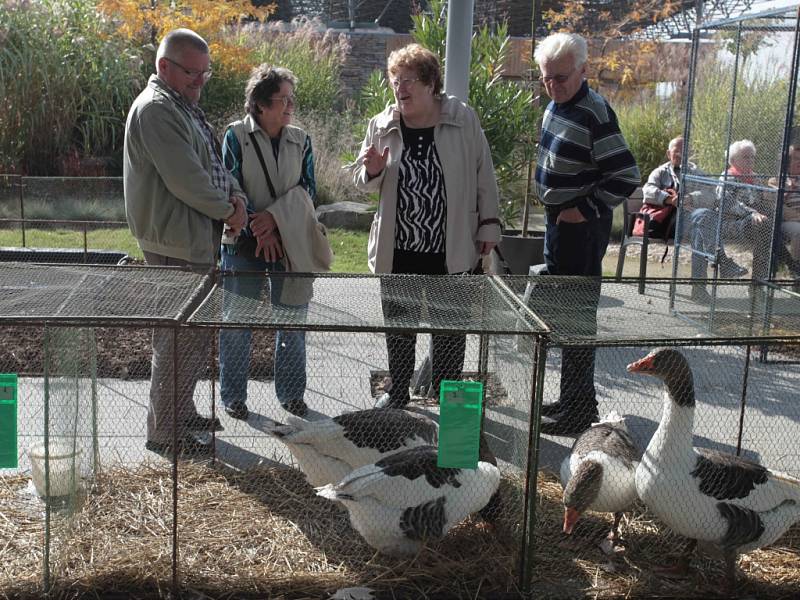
(387, 429)
(740, 481)
(407, 478)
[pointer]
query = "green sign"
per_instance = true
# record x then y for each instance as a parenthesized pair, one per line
(459, 424)
(8, 421)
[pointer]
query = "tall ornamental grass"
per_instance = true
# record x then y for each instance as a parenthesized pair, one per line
(66, 82)
(312, 53)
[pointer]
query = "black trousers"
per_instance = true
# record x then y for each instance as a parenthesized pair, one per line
(402, 301)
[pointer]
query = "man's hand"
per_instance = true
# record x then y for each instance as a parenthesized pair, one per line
(570, 215)
(270, 246)
(236, 222)
(672, 197)
(373, 161)
(262, 224)
(758, 217)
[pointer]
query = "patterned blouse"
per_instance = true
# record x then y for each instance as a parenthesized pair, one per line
(421, 195)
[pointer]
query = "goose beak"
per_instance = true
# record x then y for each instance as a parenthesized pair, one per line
(643, 365)
(571, 517)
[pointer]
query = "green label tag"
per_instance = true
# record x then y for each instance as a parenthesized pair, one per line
(8, 421)
(459, 424)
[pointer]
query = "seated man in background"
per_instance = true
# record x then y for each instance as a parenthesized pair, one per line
(661, 194)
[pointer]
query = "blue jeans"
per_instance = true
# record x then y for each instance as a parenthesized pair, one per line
(704, 239)
(578, 249)
(234, 344)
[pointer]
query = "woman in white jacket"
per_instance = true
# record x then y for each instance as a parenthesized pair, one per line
(427, 156)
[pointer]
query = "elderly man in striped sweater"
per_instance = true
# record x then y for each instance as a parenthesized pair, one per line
(585, 169)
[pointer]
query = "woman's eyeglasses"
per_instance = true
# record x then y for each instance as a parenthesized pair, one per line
(286, 100)
(405, 82)
(192, 73)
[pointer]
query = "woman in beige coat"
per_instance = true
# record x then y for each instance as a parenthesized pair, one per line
(428, 158)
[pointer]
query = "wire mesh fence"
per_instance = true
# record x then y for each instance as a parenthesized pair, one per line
(63, 220)
(742, 136)
(348, 494)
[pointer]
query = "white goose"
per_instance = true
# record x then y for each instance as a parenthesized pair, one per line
(599, 473)
(404, 500)
(730, 503)
(328, 449)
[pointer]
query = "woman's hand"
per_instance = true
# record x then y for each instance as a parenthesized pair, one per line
(487, 247)
(373, 161)
(263, 224)
(270, 246)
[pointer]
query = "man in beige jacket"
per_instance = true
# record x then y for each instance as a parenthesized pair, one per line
(178, 196)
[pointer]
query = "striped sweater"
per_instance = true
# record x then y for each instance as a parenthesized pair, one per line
(583, 155)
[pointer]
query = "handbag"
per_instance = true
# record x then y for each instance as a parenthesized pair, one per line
(659, 217)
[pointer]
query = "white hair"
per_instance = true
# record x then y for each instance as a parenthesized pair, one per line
(736, 149)
(177, 40)
(558, 45)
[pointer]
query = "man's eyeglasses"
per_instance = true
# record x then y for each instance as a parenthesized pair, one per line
(556, 78)
(192, 73)
(286, 100)
(406, 81)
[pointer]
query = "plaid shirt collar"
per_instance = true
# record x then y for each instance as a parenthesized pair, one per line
(219, 175)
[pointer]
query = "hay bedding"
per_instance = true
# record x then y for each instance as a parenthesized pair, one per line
(263, 533)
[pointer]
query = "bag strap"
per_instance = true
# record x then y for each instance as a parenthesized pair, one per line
(257, 148)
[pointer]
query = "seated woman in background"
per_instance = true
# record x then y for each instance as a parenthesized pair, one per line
(428, 158)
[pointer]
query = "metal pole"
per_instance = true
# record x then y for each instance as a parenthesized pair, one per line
(22, 208)
(687, 131)
(536, 17)
(457, 51)
(532, 467)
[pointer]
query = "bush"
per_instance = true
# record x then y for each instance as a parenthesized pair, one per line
(648, 126)
(67, 83)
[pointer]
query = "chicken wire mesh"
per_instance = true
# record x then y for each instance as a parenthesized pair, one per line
(742, 406)
(249, 514)
(738, 175)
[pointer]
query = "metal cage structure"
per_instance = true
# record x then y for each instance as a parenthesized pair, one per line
(104, 514)
(738, 191)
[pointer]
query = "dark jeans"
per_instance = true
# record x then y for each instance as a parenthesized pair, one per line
(402, 303)
(578, 249)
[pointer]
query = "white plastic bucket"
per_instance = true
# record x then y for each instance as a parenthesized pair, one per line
(65, 460)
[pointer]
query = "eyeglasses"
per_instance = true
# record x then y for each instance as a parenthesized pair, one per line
(406, 81)
(192, 73)
(286, 100)
(557, 78)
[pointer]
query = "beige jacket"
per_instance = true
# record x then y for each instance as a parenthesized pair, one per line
(172, 207)
(472, 196)
(284, 173)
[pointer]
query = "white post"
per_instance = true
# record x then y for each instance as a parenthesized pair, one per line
(457, 52)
